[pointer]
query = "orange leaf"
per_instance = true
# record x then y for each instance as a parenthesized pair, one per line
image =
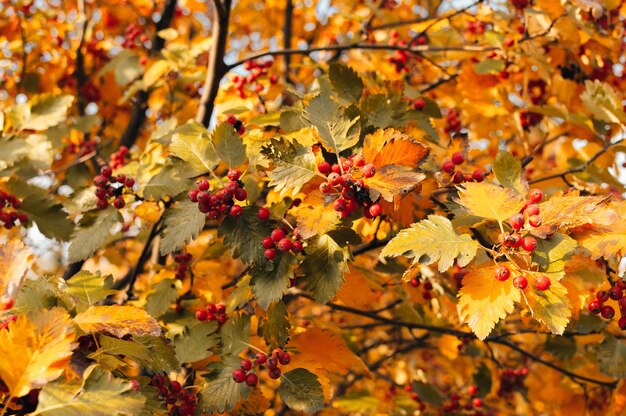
(565, 212)
(391, 147)
(393, 181)
(35, 349)
(118, 321)
(313, 216)
(357, 291)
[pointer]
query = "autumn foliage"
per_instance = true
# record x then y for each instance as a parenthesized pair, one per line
(284, 207)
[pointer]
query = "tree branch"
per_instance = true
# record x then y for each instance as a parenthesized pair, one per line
(287, 35)
(143, 258)
(216, 68)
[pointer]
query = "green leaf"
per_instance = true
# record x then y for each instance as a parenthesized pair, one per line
(489, 66)
(552, 253)
(428, 393)
(271, 279)
(424, 123)
(324, 266)
(603, 102)
(301, 391)
(276, 325)
(291, 121)
(47, 110)
(100, 395)
(154, 406)
(12, 151)
(161, 297)
(36, 295)
(221, 393)
(192, 144)
(482, 380)
(150, 352)
(336, 130)
(244, 235)
(294, 164)
(195, 342)
(229, 145)
(430, 240)
(235, 334)
(384, 110)
(125, 66)
(92, 234)
(611, 357)
(181, 224)
(359, 402)
(42, 209)
(166, 183)
(87, 289)
(240, 296)
(345, 82)
(508, 171)
(266, 119)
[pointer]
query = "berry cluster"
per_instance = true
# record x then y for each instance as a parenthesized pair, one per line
(237, 124)
(245, 374)
(257, 69)
(529, 119)
(353, 193)
(212, 312)
(118, 159)
(179, 401)
(84, 148)
(476, 27)
(457, 159)
(219, 203)
(520, 4)
(457, 274)
(415, 397)
(90, 92)
(511, 380)
(427, 286)
(616, 293)
(465, 402)
(8, 210)
(400, 57)
(279, 239)
(536, 91)
(453, 122)
(131, 33)
(182, 259)
(109, 186)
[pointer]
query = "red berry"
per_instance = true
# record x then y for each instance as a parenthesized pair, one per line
(119, 202)
(158, 380)
(622, 323)
(369, 170)
(615, 293)
(375, 210)
(231, 187)
(602, 295)
(324, 168)
(517, 221)
(193, 195)
(339, 205)
(239, 375)
(263, 214)
(285, 358)
(236, 211)
(447, 166)
(535, 195)
(333, 179)
(529, 243)
(261, 358)
(478, 175)
(284, 244)
(268, 243)
(532, 209)
(201, 315)
(458, 178)
(234, 175)
(297, 246)
(414, 282)
(542, 283)
(274, 373)
(621, 284)
(203, 185)
(325, 187)
(477, 402)
(100, 203)
(106, 171)
(608, 312)
(175, 387)
(502, 273)
(595, 307)
(457, 158)
(241, 194)
(231, 119)
(100, 181)
(419, 104)
(252, 380)
(277, 235)
(101, 193)
(246, 365)
(534, 220)
(622, 303)
(130, 182)
(472, 390)
(520, 282)
(270, 254)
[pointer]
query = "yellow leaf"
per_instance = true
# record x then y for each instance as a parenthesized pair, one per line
(484, 300)
(550, 307)
(35, 349)
(313, 216)
(148, 211)
(357, 291)
(15, 260)
(393, 180)
(490, 201)
(154, 73)
(391, 147)
(565, 212)
(431, 240)
(118, 321)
